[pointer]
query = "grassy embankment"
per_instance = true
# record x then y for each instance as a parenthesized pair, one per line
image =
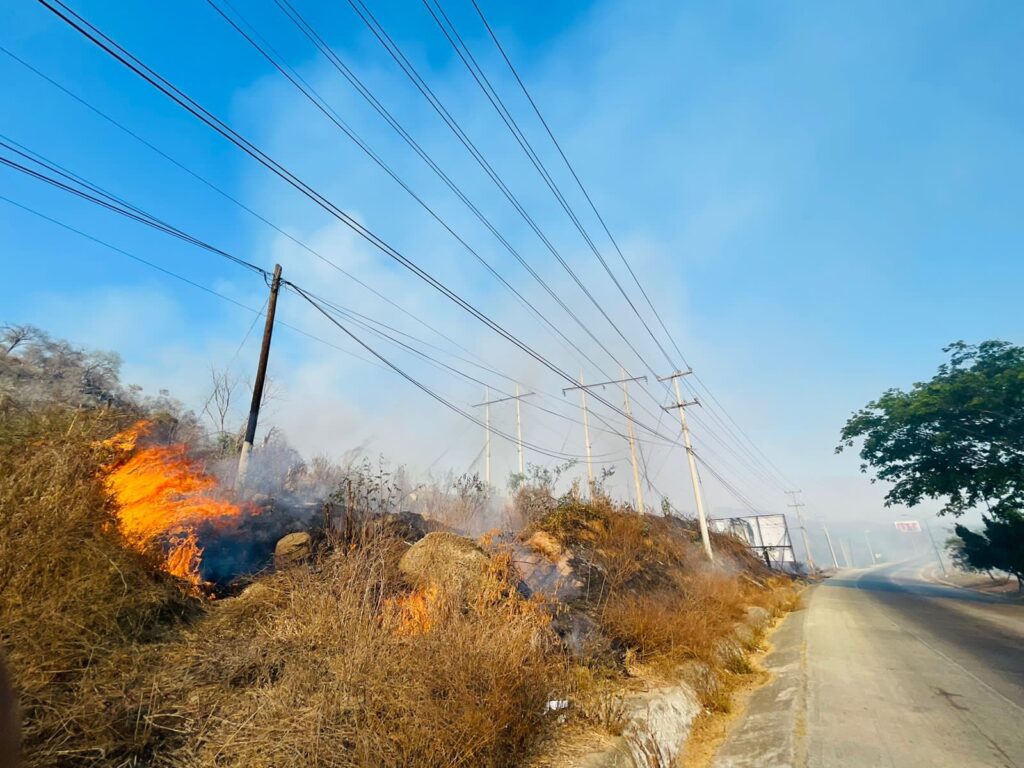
(338, 662)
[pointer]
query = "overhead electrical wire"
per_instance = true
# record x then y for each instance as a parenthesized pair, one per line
(98, 38)
(427, 390)
(466, 56)
(307, 29)
(125, 58)
(313, 36)
(281, 231)
(112, 203)
(139, 215)
(526, 92)
(182, 278)
(386, 364)
(572, 171)
(728, 486)
(320, 103)
(396, 53)
(314, 97)
(228, 196)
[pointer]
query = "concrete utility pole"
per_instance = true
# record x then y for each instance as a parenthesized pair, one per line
(803, 531)
(831, 550)
(261, 378)
(519, 434)
(487, 438)
(586, 435)
(871, 549)
(632, 445)
(845, 546)
(629, 425)
(487, 403)
(938, 555)
(681, 405)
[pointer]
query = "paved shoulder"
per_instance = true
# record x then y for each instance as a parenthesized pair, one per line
(770, 732)
(883, 669)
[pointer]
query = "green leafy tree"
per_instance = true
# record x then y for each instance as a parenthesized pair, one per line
(999, 546)
(958, 438)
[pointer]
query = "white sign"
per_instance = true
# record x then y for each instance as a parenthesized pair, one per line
(766, 533)
(908, 526)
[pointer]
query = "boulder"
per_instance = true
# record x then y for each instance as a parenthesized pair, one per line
(293, 548)
(546, 544)
(445, 560)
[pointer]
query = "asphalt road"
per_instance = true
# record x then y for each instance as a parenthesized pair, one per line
(884, 668)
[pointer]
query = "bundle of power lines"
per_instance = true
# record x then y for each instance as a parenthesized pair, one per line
(718, 441)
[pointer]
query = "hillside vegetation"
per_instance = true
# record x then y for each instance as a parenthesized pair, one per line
(346, 657)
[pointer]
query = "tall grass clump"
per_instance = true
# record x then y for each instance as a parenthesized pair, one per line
(318, 667)
(71, 595)
(115, 664)
(651, 591)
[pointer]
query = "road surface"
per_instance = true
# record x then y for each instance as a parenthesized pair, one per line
(884, 668)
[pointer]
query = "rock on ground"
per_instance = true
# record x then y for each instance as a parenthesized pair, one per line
(451, 562)
(293, 548)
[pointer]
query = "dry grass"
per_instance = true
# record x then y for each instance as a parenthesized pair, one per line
(116, 666)
(310, 667)
(656, 599)
(321, 664)
(70, 594)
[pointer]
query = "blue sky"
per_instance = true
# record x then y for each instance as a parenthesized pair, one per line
(818, 196)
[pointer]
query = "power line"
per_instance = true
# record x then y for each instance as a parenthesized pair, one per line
(119, 205)
(223, 193)
(113, 49)
(396, 53)
(576, 177)
(143, 217)
(612, 239)
(325, 49)
(182, 278)
(387, 364)
(496, 101)
(273, 226)
(318, 101)
(110, 47)
(314, 97)
(419, 385)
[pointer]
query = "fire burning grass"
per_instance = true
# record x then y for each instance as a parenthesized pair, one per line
(345, 662)
(162, 497)
(414, 612)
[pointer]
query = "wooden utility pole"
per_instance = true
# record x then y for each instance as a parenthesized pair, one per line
(681, 406)
(803, 531)
(261, 378)
(629, 424)
(487, 403)
(938, 554)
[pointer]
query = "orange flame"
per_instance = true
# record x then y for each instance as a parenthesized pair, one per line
(415, 612)
(162, 493)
